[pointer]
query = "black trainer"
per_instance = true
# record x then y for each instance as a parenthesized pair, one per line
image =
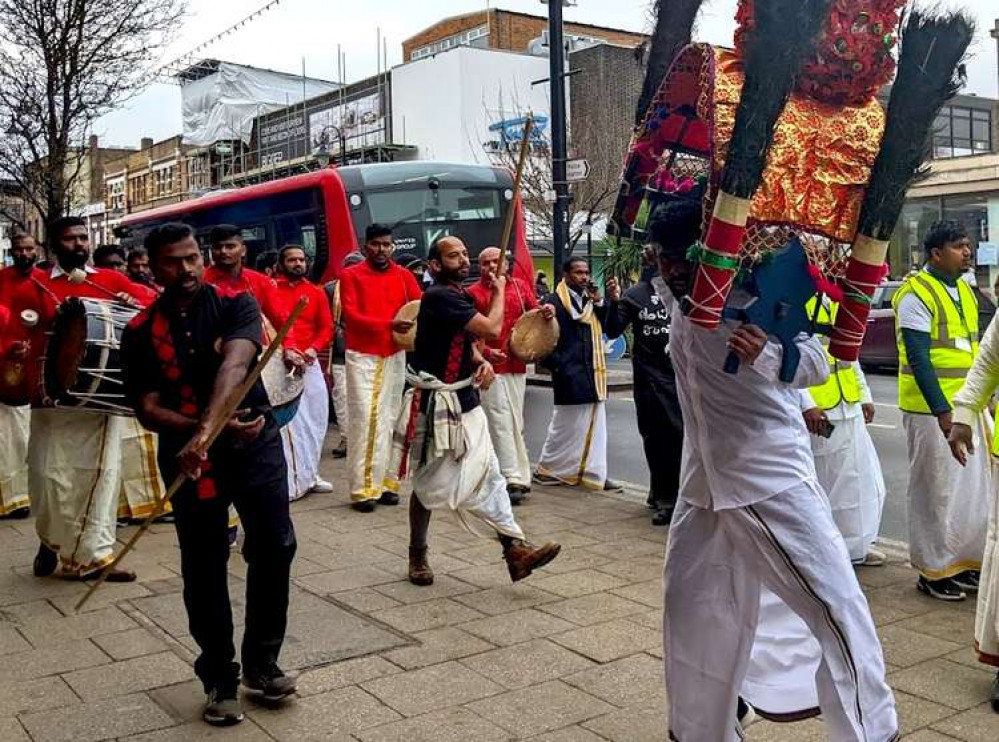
(222, 707)
(967, 581)
(388, 498)
(994, 695)
(944, 589)
(745, 713)
(663, 517)
(364, 506)
(517, 493)
(271, 683)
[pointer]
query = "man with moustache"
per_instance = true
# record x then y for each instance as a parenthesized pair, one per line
(503, 401)
(231, 277)
(311, 334)
(15, 422)
(75, 457)
(443, 428)
(184, 357)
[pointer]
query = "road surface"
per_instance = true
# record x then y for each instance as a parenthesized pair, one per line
(627, 461)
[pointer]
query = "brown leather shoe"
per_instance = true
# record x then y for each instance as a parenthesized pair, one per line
(419, 568)
(523, 558)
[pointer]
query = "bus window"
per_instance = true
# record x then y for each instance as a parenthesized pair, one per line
(298, 229)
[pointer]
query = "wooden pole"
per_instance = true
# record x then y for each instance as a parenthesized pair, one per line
(231, 405)
(525, 146)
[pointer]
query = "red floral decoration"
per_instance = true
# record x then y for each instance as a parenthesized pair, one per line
(854, 54)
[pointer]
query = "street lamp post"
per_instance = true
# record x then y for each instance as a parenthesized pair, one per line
(556, 56)
(323, 155)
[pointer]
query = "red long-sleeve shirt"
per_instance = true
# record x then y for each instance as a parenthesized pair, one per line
(11, 281)
(370, 299)
(518, 299)
(314, 326)
(247, 281)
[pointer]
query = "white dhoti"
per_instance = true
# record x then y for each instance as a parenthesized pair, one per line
(849, 471)
(303, 437)
(15, 427)
(503, 404)
(74, 475)
(948, 503)
(472, 486)
(338, 395)
(780, 679)
(575, 449)
(141, 484)
(716, 563)
(987, 616)
(374, 398)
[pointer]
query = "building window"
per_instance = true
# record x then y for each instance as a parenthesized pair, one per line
(962, 131)
(473, 37)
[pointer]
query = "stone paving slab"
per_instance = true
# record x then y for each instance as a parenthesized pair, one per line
(572, 654)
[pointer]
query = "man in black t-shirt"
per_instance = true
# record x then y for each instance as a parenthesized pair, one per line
(183, 358)
(455, 465)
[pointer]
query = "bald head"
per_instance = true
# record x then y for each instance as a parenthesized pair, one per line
(448, 259)
(489, 263)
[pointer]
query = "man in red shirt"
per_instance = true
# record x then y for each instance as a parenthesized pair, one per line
(311, 334)
(75, 457)
(503, 402)
(371, 294)
(15, 422)
(230, 277)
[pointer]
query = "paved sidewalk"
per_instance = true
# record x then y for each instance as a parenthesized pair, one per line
(570, 655)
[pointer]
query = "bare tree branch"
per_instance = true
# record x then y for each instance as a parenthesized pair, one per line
(63, 64)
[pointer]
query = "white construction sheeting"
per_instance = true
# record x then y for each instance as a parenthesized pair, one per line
(222, 105)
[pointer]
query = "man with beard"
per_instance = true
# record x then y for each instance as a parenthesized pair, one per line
(183, 358)
(137, 268)
(231, 277)
(15, 422)
(75, 457)
(657, 406)
(311, 335)
(936, 318)
(371, 295)
(751, 516)
(503, 401)
(575, 450)
(444, 426)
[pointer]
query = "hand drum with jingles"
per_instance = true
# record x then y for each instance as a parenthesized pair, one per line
(408, 311)
(284, 389)
(534, 337)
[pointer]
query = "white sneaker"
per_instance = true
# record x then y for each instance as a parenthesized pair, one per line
(321, 487)
(874, 558)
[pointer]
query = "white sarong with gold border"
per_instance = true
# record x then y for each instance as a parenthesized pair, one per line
(575, 450)
(304, 435)
(141, 483)
(503, 404)
(15, 428)
(374, 398)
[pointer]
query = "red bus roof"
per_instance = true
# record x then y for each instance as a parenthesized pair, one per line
(327, 178)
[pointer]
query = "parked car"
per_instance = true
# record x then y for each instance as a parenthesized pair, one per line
(880, 348)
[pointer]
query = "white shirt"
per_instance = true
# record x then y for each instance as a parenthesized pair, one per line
(744, 440)
(58, 271)
(913, 314)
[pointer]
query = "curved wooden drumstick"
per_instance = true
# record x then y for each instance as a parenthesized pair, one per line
(525, 145)
(231, 405)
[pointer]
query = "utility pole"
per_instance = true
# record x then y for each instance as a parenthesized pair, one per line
(556, 55)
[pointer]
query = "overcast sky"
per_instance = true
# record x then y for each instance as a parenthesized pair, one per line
(312, 29)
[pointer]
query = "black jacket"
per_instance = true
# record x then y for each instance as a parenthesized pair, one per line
(571, 364)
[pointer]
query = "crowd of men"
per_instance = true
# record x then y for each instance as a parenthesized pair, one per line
(764, 482)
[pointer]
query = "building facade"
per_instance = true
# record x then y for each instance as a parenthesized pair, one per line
(505, 30)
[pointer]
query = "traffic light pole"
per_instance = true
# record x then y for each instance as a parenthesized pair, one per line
(556, 49)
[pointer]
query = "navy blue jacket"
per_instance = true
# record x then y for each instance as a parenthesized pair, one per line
(571, 364)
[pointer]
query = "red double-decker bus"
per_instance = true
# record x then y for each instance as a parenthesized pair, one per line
(328, 210)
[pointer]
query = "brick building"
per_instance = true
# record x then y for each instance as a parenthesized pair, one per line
(506, 30)
(155, 175)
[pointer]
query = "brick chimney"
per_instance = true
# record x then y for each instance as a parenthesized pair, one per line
(146, 143)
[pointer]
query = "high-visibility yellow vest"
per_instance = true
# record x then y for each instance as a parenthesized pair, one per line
(842, 384)
(953, 338)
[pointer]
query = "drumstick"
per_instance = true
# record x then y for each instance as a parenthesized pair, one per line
(230, 407)
(525, 145)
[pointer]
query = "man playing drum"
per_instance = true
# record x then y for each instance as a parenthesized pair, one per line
(184, 357)
(371, 295)
(74, 461)
(15, 418)
(311, 334)
(452, 456)
(503, 401)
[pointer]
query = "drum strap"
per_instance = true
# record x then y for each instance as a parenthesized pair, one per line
(162, 341)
